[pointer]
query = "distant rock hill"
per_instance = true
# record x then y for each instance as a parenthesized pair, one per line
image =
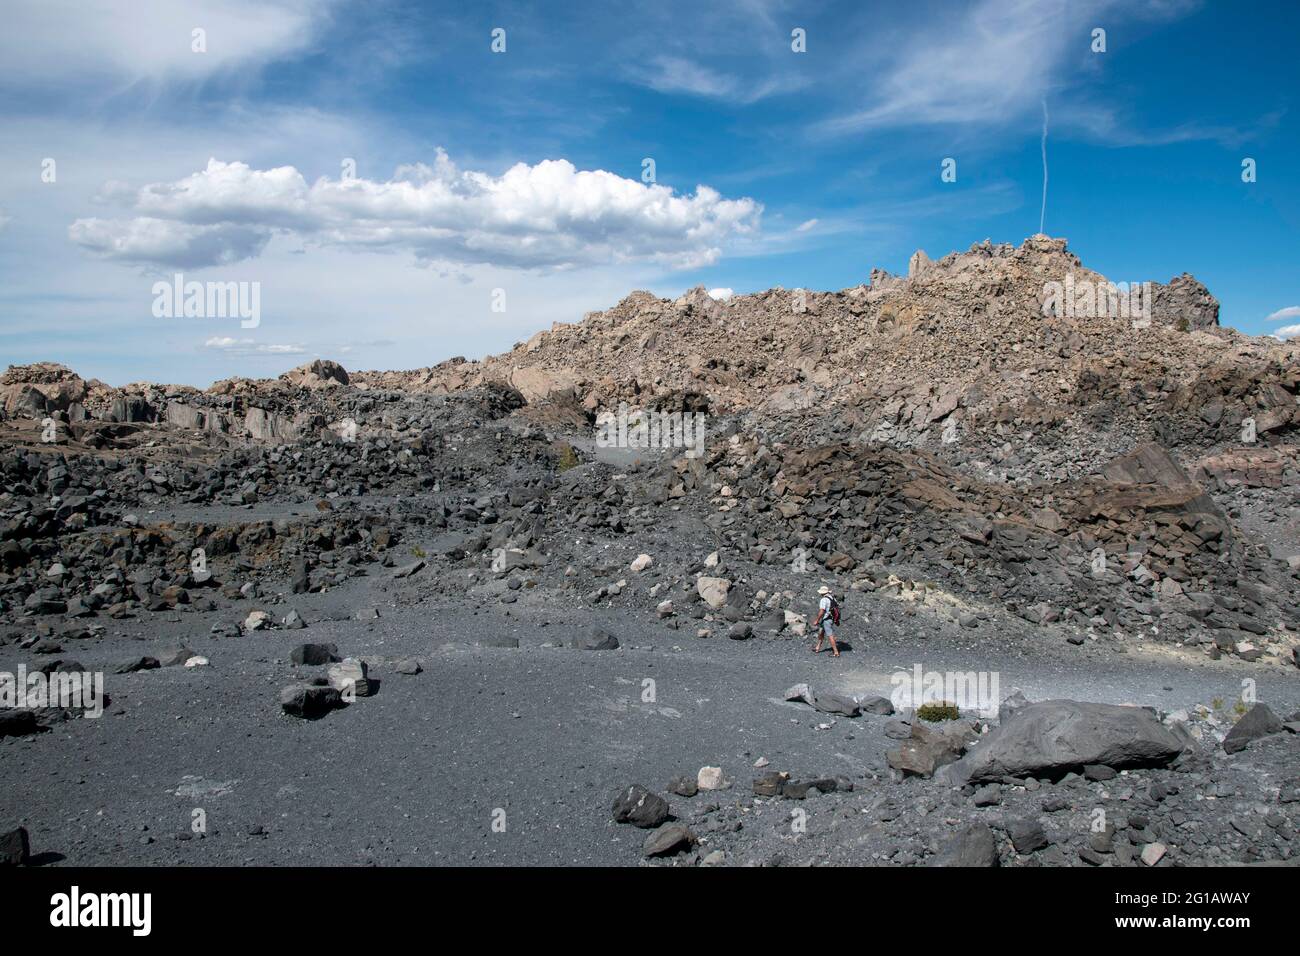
(975, 344)
(962, 336)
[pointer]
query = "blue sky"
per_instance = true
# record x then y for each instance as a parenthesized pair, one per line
(522, 171)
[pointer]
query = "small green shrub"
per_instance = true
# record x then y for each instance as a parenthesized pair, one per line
(417, 552)
(568, 457)
(935, 712)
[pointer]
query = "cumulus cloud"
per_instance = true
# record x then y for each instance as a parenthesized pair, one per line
(1287, 331)
(722, 295)
(545, 216)
(162, 242)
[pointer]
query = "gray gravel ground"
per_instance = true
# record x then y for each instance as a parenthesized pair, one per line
(418, 773)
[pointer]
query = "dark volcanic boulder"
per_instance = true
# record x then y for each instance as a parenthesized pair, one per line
(596, 639)
(309, 701)
(1054, 737)
(836, 704)
(1257, 722)
(667, 840)
(14, 848)
(974, 846)
(874, 704)
(313, 655)
(1027, 835)
(18, 723)
(638, 806)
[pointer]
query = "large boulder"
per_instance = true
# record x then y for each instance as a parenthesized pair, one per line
(1257, 722)
(1054, 737)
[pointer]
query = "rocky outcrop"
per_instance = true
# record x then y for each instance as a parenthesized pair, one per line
(321, 373)
(1185, 304)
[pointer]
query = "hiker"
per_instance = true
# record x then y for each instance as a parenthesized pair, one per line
(828, 616)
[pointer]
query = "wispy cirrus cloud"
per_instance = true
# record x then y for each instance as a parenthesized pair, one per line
(677, 74)
(993, 63)
(1106, 124)
(66, 42)
(544, 216)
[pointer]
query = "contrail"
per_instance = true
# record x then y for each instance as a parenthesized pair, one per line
(1042, 215)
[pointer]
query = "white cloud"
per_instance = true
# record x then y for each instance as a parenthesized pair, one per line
(721, 295)
(224, 343)
(163, 242)
(1286, 332)
(549, 215)
(993, 62)
(57, 42)
(996, 60)
(675, 74)
(805, 226)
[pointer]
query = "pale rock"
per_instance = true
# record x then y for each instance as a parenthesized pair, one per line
(709, 778)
